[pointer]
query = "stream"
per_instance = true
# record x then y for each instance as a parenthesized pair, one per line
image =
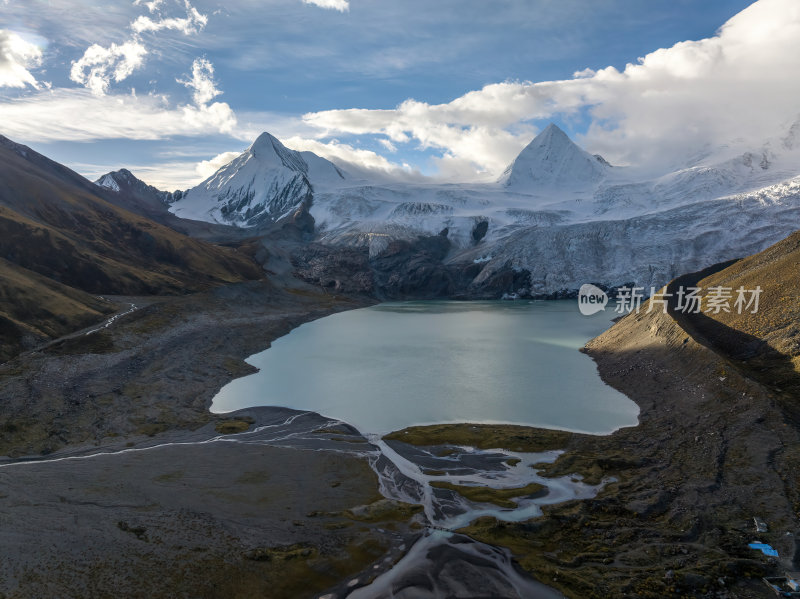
(396, 365)
(391, 366)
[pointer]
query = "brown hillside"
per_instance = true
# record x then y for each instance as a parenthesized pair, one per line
(53, 222)
(34, 308)
(767, 342)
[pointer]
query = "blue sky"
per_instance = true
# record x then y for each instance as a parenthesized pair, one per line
(451, 88)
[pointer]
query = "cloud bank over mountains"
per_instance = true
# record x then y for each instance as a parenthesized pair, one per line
(735, 88)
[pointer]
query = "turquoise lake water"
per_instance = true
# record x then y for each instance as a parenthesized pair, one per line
(398, 364)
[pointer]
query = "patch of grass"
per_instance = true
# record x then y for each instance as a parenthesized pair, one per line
(592, 466)
(765, 344)
(484, 436)
(499, 497)
(384, 510)
(11, 369)
(237, 368)
(434, 472)
(445, 451)
(233, 426)
(299, 570)
(155, 317)
(349, 439)
(34, 309)
(151, 429)
(606, 555)
(281, 554)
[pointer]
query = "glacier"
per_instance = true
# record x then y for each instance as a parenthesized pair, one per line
(559, 213)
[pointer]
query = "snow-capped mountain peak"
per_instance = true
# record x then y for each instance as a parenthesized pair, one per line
(268, 150)
(552, 159)
(561, 213)
(125, 182)
(108, 182)
(263, 184)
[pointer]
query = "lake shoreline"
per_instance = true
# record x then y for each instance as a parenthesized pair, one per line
(400, 364)
(671, 432)
(71, 468)
(705, 459)
(153, 371)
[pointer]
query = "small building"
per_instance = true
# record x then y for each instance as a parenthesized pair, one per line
(784, 586)
(765, 549)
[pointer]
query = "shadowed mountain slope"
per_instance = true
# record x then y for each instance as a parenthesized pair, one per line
(767, 341)
(34, 308)
(122, 188)
(53, 222)
(62, 243)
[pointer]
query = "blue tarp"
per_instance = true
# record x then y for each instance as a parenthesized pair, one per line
(764, 548)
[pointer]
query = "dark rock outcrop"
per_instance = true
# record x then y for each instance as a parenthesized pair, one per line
(479, 231)
(340, 270)
(406, 269)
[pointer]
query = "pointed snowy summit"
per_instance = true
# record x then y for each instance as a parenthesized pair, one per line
(553, 160)
(264, 183)
(268, 150)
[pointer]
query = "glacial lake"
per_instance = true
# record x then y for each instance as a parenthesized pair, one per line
(399, 364)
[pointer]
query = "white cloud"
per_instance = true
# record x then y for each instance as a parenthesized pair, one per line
(79, 115)
(387, 143)
(202, 82)
(167, 176)
(347, 155)
(739, 86)
(217, 117)
(99, 65)
(471, 130)
(192, 23)
(182, 174)
(17, 56)
(340, 5)
(206, 168)
(736, 87)
(152, 6)
(94, 113)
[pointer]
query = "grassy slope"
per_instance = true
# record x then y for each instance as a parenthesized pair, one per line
(61, 244)
(34, 308)
(52, 222)
(767, 343)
